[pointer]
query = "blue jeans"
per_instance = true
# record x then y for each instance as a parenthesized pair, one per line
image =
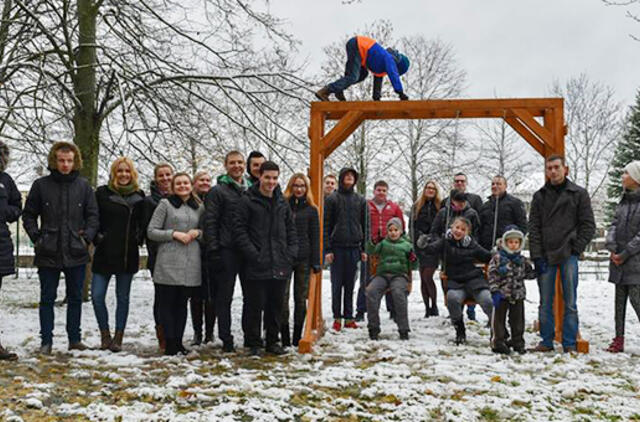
(49, 280)
(354, 72)
(547, 285)
(343, 278)
(99, 286)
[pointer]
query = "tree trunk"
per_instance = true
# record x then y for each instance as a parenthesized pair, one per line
(86, 122)
(4, 31)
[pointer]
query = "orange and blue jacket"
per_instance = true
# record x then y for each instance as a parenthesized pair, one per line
(378, 60)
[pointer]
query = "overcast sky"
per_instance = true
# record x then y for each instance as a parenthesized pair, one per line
(508, 47)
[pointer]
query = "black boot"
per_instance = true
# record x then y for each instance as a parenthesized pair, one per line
(209, 321)
(285, 335)
(275, 349)
(196, 319)
(171, 347)
(404, 335)
(501, 348)
(340, 96)
(434, 310)
(374, 333)
(297, 334)
(461, 336)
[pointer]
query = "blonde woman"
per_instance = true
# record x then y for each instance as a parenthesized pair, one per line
(305, 215)
(175, 227)
(422, 215)
(120, 209)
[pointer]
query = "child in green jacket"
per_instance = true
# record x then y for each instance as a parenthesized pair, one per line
(396, 261)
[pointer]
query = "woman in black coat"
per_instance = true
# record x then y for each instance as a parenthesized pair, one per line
(305, 216)
(422, 215)
(121, 223)
(10, 209)
(202, 298)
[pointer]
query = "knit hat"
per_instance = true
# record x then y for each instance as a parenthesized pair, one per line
(402, 61)
(512, 232)
(395, 221)
(633, 168)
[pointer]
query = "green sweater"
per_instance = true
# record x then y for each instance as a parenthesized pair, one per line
(393, 256)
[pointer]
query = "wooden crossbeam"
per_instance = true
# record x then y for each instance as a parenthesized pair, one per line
(527, 119)
(341, 131)
(529, 136)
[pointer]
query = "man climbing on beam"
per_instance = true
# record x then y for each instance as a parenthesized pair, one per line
(364, 55)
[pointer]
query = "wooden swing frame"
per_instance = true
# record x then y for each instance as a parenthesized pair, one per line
(546, 137)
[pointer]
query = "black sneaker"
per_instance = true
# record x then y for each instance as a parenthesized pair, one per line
(461, 336)
(228, 347)
(520, 350)
(501, 348)
(359, 316)
(275, 349)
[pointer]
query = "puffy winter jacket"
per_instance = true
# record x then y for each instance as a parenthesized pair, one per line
(623, 238)
(266, 235)
(68, 215)
(379, 219)
(561, 222)
(219, 213)
(444, 219)
(510, 212)
(120, 231)
(393, 256)
(510, 280)
(308, 231)
(421, 224)
(459, 262)
(346, 217)
(379, 61)
(10, 209)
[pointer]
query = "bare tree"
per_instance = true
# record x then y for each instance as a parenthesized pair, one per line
(503, 152)
(138, 76)
(434, 74)
(594, 121)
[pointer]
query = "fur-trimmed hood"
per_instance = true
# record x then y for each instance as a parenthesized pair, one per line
(77, 156)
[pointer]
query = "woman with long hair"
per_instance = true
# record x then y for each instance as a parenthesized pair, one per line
(175, 227)
(305, 215)
(422, 215)
(121, 229)
(202, 299)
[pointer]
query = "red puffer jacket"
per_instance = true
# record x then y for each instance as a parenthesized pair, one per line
(379, 219)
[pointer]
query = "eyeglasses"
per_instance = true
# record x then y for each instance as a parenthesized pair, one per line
(299, 186)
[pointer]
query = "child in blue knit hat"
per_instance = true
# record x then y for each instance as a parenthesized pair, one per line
(507, 271)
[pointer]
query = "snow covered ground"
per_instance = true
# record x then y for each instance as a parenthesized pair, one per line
(347, 377)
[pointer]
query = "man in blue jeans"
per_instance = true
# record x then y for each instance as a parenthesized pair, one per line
(561, 225)
(68, 214)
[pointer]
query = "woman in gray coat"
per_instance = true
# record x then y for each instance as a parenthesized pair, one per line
(623, 241)
(175, 227)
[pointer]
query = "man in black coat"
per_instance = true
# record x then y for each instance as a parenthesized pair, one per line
(561, 225)
(346, 230)
(10, 209)
(266, 235)
(225, 260)
(510, 211)
(458, 206)
(460, 184)
(68, 214)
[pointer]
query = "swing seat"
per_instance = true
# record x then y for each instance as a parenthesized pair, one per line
(444, 279)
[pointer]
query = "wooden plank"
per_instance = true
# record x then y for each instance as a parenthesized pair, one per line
(475, 108)
(341, 131)
(532, 124)
(316, 170)
(523, 131)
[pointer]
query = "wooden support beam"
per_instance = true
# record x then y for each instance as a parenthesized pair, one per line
(523, 131)
(341, 131)
(527, 119)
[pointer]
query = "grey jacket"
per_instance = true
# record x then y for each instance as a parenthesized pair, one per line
(624, 238)
(176, 264)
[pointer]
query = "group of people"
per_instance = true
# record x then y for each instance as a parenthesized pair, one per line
(200, 238)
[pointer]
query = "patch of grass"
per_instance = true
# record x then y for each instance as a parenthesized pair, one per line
(488, 414)
(521, 403)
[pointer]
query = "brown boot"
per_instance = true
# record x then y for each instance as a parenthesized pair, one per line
(161, 340)
(6, 355)
(323, 94)
(116, 344)
(78, 346)
(105, 339)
